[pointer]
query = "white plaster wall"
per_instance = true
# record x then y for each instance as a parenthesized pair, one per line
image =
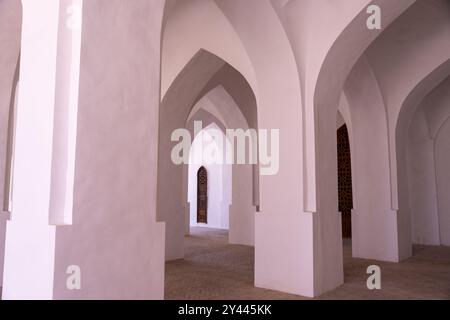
(219, 178)
(423, 12)
(372, 217)
(30, 240)
(114, 238)
(323, 68)
(187, 22)
(345, 53)
(402, 62)
(443, 182)
(8, 195)
(422, 182)
(427, 166)
(305, 22)
(258, 48)
(411, 105)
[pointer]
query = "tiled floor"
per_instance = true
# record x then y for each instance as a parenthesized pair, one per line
(212, 269)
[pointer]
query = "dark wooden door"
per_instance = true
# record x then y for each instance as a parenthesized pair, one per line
(345, 181)
(202, 195)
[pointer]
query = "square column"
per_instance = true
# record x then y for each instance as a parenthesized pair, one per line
(30, 240)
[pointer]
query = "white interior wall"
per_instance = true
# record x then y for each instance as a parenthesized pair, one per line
(442, 155)
(412, 103)
(34, 135)
(374, 223)
(114, 237)
(408, 65)
(340, 46)
(422, 183)
(428, 182)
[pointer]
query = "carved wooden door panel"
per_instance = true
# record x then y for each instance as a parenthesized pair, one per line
(202, 195)
(345, 181)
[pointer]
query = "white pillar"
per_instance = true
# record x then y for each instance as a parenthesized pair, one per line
(44, 146)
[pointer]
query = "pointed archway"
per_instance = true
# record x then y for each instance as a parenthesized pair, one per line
(204, 72)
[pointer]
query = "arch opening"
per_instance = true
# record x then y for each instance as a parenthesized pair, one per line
(202, 75)
(423, 157)
(207, 99)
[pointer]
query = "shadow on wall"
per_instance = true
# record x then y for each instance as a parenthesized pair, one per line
(10, 38)
(428, 174)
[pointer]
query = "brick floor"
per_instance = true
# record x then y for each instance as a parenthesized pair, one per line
(212, 269)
